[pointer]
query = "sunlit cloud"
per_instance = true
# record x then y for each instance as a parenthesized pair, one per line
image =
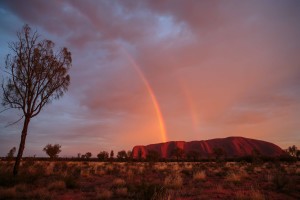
(191, 71)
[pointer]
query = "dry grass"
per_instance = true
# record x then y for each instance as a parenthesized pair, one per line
(173, 181)
(219, 189)
(234, 177)
(8, 193)
(50, 180)
(57, 186)
(109, 168)
(129, 174)
(176, 167)
(121, 192)
(298, 170)
(16, 193)
(21, 188)
(103, 194)
(49, 168)
(118, 182)
(188, 166)
(100, 171)
(258, 169)
(162, 194)
(199, 176)
(39, 193)
(253, 194)
(140, 169)
(85, 172)
(160, 166)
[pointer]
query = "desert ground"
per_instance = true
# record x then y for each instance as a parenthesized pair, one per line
(150, 180)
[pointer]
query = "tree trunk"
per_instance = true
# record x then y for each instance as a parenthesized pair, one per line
(22, 145)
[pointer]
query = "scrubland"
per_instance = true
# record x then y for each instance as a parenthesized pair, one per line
(150, 180)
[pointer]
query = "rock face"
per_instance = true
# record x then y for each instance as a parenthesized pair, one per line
(232, 146)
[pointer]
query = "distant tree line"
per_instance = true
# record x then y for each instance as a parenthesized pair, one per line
(176, 155)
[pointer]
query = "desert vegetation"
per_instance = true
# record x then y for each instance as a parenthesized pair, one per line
(58, 179)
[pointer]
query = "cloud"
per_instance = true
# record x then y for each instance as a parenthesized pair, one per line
(216, 68)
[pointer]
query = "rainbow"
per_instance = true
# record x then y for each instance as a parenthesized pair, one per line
(191, 103)
(152, 96)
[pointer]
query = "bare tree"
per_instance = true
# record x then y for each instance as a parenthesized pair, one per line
(36, 76)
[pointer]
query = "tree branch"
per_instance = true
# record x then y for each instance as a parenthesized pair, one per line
(5, 110)
(14, 122)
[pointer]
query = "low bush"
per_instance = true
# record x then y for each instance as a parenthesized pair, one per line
(173, 181)
(199, 176)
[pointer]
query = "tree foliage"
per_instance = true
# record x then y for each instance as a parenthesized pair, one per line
(52, 150)
(112, 154)
(218, 152)
(292, 150)
(36, 75)
(193, 155)
(178, 153)
(153, 156)
(140, 154)
(11, 152)
(88, 155)
(103, 155)
(122, 155)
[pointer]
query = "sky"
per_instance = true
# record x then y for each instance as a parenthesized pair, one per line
(151, 71)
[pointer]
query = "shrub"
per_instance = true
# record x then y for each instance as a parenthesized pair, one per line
(233, 177)
(199, 176)
(39, 193)
(252, 195)
(193, 155)
(121, 192)
(111, 169)
(173, 181)
(218, 152)
(160, 166)
(100, 171)
(21, 188)
(11, 153)
(60, 167)
(118, 182)
(161, 193)
(71, 182)
(57, 186)
(153, 156)
(8, 193)
(148, 191)
(104, 194)
(178, 153)
(280, 180)
(85, 172)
